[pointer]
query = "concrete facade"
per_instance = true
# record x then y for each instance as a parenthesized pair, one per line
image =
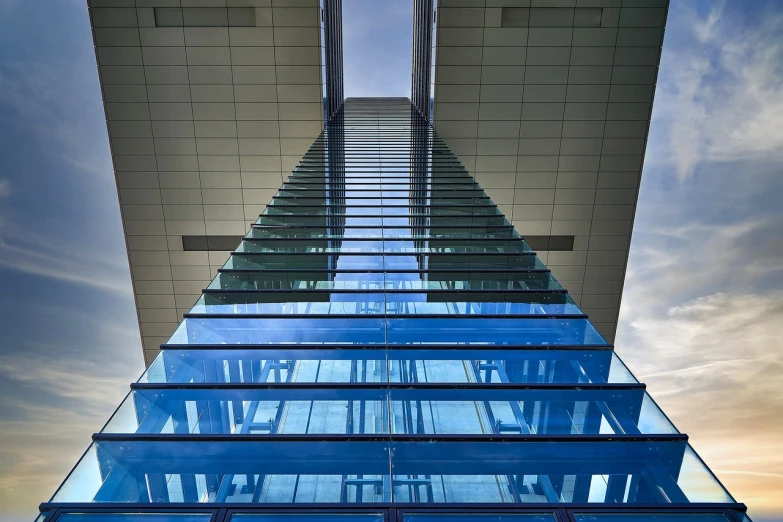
(548, 103)
(209, 106)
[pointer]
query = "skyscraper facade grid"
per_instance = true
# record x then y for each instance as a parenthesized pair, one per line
(384, 346)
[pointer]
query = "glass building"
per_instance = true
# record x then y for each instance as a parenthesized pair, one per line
(384, 346)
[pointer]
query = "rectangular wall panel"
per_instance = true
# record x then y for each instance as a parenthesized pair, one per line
(548, 103)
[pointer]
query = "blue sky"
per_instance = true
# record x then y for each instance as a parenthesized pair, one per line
(702, 314)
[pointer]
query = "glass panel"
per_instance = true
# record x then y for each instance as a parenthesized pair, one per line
(534, 332)
(279, 331)
(546, 472)
(479, 517)
(365, 280)
(585, 411)
(301, 472)
(276, 365)
(230, 472)
(307, 517)
(135, 517)
(289, 364)
(651, 517)
(358, 330)
(444, 302)
(248, 411)
(390, 338)
(698, 483)
(519, 412)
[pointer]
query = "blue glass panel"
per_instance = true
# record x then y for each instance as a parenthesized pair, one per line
(697, 481)
(307, 517)
(135, 517)
(317, 302)
(241, 472)
(291, 364)
(383, 335)
(478, 517)
(412, 411)
(279, 331)
(649, 472)
(426, 280)
(533, 332)
(651, 517)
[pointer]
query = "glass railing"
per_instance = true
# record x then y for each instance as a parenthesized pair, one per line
(383, 335)
(346, 364)
(376, 471)
(588, 411)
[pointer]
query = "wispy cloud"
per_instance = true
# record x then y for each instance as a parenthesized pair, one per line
(76, 388)
(702, 311)
(53, 100)
(45, 255)
(722, 95)
(713, 364)
(5, 188)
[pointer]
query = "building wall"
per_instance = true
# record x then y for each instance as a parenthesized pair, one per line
(548, 104)
(209, 106)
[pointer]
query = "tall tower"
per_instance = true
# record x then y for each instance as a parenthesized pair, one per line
(383, 346)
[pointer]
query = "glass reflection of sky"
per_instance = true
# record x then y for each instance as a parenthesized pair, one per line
(383, 295)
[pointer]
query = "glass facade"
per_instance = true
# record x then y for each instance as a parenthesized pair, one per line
(382, 346)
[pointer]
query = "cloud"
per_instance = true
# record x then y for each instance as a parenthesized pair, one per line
(673, 264)
(713, 365)
(5, 188)
(63, 391)
(721, 97)
(55, 99)
(44, 255)
(702, 310)
(702, 318)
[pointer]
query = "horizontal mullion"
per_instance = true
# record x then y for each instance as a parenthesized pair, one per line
(447, 240)
(380, 254)
(381, 204)
(385, 290)
(390, 270)
(394, 437)
(383, 315)
(387, 386)
(380, 197)
(470, 508)
(390, 348)
(389, 227)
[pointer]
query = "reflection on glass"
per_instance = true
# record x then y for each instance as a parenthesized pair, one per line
(308, 517)
(651, 517)
(619, 471)
(472, 411)
(382, 334)
(346, 365)
(478, 517)
(135, 517)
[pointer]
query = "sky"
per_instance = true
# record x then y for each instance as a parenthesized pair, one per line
(702, 314)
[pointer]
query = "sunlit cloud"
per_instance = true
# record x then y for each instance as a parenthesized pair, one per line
(76, 387)
(721, 94)
(702, 313)
(713, 364)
